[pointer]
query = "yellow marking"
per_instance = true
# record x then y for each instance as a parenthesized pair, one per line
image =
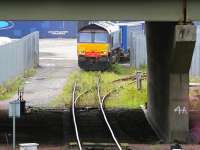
(83, 48)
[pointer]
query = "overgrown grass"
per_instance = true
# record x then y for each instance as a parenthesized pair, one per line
(129, 97)
(9, 88)
(195, 79)
(121, 70)
(126, 97)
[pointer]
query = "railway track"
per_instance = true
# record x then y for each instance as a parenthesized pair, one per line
(101, 100)
(101, 103)
(76, 97)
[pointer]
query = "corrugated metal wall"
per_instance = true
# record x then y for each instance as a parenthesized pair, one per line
(138, 51)
(17, 56)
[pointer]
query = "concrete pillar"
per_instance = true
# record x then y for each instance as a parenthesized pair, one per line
(169, 53)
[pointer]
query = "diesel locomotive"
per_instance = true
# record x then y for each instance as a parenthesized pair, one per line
(102, 43)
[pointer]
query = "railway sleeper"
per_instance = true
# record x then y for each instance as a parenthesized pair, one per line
(99, 146)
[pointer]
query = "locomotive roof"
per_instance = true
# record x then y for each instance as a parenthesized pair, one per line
(104, 25)
(135, 23)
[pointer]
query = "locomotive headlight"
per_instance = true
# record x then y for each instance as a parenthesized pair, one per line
(104, 53)
(82, 52)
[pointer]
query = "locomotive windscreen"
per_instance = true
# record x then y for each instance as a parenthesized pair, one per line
(85, 37)
(93, 37)
(100, 37)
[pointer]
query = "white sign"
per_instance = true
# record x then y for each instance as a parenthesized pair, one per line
(14, 108)
(58, 32)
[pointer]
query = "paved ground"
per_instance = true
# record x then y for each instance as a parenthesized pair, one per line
(57, 59)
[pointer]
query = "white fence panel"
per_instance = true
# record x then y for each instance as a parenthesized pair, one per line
(17, 56)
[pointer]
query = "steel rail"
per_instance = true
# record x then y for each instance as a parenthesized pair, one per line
(74, 99)
(101, 100)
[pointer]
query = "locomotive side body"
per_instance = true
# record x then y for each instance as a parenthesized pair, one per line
(98, 45)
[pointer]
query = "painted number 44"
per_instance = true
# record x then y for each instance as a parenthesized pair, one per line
(180, 110)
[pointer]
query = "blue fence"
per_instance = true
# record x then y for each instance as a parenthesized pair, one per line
(47, 29)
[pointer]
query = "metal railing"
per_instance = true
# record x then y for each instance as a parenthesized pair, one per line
(18, 56)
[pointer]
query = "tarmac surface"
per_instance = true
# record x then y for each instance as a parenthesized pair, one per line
(58, 58)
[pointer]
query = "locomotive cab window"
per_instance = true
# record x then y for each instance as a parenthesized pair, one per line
(100, 38)
(85, 37)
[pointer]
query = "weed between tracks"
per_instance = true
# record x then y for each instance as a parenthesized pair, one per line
(9, 88)
(127, 97)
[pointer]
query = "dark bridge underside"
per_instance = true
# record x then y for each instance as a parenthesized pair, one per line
(149, 10)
